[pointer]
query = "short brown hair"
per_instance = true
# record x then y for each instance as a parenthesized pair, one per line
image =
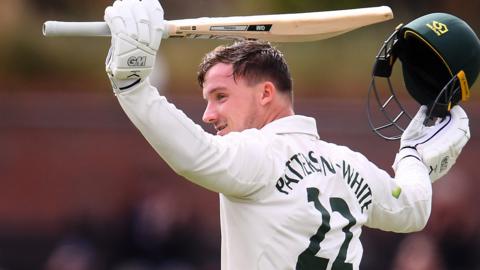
(252, 60)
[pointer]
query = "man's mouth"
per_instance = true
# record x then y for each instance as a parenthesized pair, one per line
(219, 128)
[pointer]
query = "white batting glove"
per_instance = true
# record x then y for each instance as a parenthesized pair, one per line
(438, 146)
(137, 28)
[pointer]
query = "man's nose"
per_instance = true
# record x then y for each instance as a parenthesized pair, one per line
(210, 115)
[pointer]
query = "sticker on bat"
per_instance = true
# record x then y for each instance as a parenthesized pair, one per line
(205, 36)
(250, 28)
(260, 27)
(229, 28)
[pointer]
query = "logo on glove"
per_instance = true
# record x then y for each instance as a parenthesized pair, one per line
(136, 61)
(444, 164)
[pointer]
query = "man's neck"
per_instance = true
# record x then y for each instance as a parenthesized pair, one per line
(278, 112)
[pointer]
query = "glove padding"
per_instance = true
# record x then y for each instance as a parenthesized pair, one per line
(137, 28)
(438, 146)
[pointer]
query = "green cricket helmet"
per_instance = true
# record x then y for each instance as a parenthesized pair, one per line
(440, 56)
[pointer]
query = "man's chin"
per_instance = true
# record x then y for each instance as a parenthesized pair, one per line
(222, 132)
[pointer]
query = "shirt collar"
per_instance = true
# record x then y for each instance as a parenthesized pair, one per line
(293, 124)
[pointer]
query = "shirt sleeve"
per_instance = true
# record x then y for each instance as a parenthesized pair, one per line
(403, 203)
(237, 164)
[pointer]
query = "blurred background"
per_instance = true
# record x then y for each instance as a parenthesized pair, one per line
(81, 189)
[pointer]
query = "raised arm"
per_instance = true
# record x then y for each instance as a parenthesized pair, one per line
(216, 163)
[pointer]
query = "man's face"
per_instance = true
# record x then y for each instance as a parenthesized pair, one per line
(232, 105)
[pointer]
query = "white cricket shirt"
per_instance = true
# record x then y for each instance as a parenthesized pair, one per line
(288, 200)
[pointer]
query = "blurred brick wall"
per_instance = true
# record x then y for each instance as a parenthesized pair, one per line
(68, 154)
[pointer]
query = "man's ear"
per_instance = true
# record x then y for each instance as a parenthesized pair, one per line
(268, 92)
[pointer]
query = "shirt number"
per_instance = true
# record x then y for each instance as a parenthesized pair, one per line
(307, 259)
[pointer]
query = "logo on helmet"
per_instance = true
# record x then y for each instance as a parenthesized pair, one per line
(438, 27)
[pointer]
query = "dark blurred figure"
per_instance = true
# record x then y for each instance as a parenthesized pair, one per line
(452, 237)
(164, 235)
(455, 220)
(73, 254)
(418, 252)
(159, 233)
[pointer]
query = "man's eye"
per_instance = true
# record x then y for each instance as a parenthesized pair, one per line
(221, 96)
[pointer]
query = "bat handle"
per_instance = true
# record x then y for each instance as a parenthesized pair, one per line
(83, 29)
(79, 29)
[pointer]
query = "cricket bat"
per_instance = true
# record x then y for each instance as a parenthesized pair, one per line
(295, 27)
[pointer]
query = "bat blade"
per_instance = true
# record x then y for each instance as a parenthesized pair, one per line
(296, 27)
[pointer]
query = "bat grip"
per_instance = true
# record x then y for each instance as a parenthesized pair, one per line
(79, 29)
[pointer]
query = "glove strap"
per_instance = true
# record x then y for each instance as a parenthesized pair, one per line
(123, 85)
(409, 151)
(405, 152)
